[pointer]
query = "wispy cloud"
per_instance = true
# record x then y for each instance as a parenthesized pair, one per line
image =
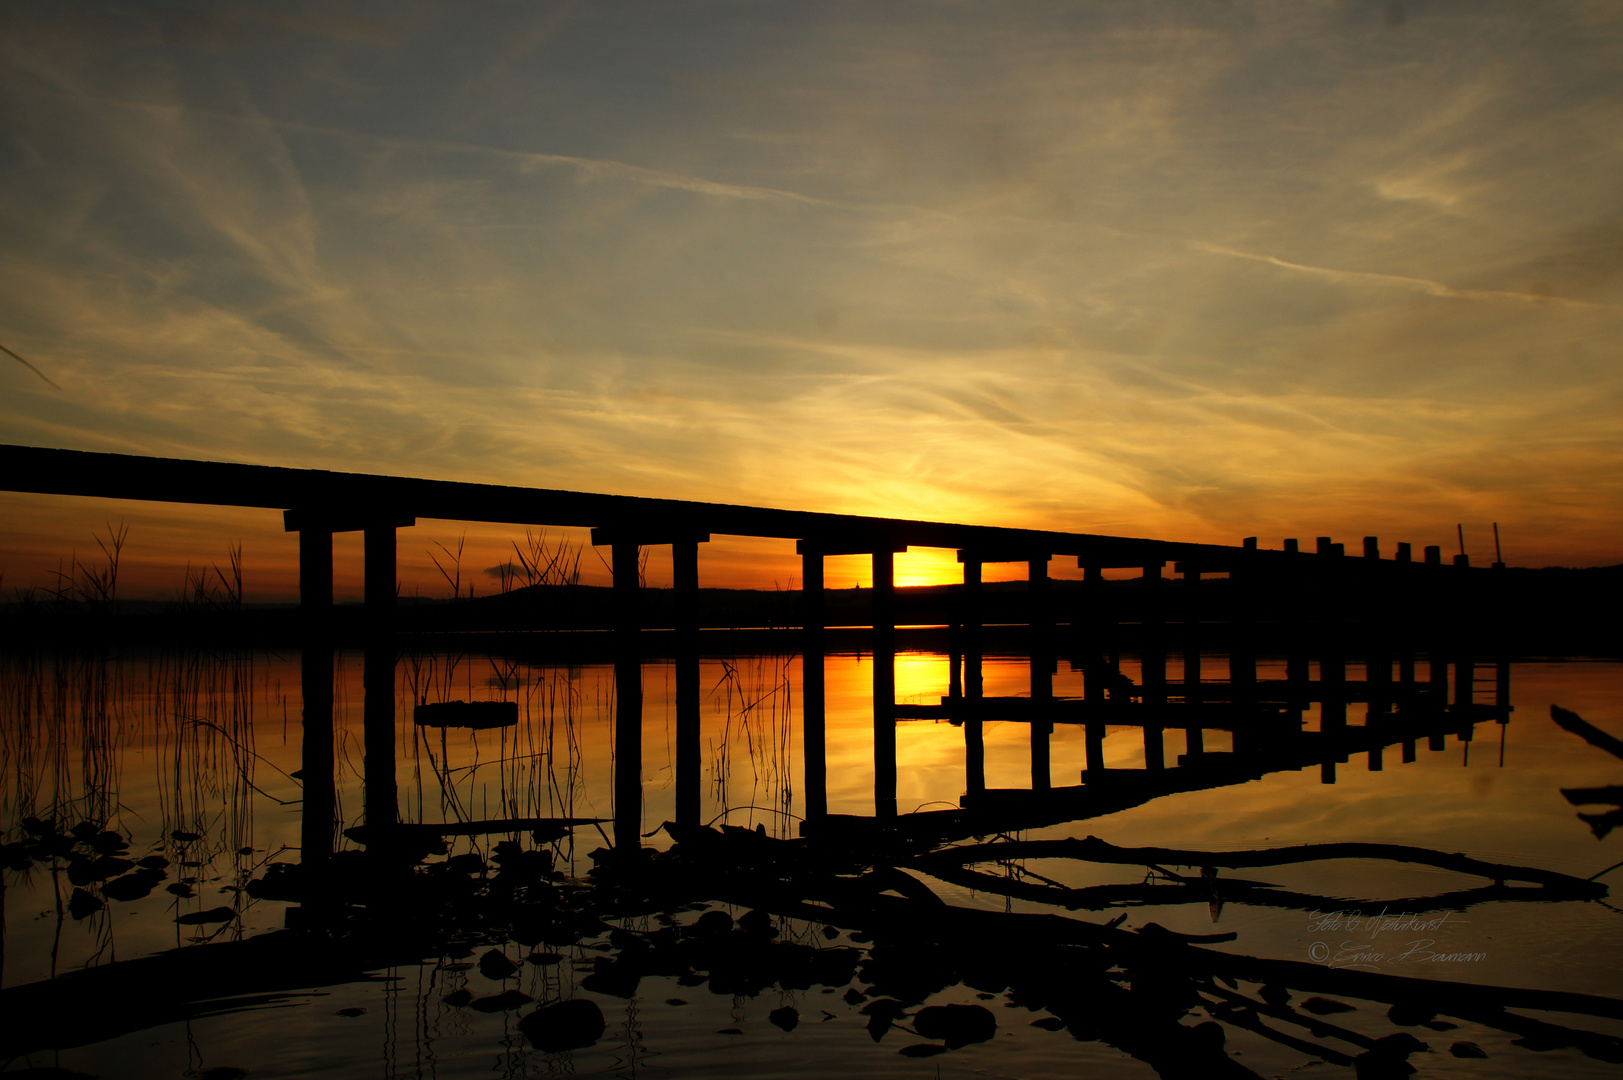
(1395, 281)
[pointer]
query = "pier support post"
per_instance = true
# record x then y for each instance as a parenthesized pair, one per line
(813, 695)
(625, 544)
(627, 699)
(685, 594)
(1039, 597)
(1194, 737)
(1093, 688)
(378, 679)
(1153, 667)
(1243, 585)
(974, 687)
(315, 677)
(884, 683)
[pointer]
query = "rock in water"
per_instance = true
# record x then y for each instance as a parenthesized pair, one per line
(786, 1017)
(85, 871)
(956, 1025)
(199, 918)
(128, 887)
(567, 1025)
(495, 965)
(81, 904)
(108, 843)
(1465, 1049)
(1410, 1014)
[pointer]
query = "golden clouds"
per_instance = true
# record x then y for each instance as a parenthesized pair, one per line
(1274, 269)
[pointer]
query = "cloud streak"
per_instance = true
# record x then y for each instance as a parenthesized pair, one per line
(1396, 281)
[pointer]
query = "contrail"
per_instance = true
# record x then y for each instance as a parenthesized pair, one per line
(29, 366)
(1423, 285)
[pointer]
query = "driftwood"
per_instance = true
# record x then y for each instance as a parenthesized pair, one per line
(1174, 889)
(1586, 796)
(1602, 824)
(1092, 849)
(1586, 731)
(1128, 987)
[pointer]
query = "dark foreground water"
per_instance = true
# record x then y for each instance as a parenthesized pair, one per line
(191, 760)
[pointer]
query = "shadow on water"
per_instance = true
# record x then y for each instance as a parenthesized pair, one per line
(136, 778)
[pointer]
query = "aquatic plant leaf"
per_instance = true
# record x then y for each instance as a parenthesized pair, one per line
(919, 1050)
(505, 1001)
(495, 965)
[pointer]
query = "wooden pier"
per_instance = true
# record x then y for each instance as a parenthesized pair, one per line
(1320, 606)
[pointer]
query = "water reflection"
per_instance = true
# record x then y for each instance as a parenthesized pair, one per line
(152, 807)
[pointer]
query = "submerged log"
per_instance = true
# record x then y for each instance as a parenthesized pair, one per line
(542, 829)
(475, 715)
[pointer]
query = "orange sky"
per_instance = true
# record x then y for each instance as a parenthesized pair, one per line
(1188, 271)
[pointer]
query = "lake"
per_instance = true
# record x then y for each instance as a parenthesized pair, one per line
(191, 760)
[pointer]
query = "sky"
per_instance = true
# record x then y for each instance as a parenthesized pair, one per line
(1196, 271)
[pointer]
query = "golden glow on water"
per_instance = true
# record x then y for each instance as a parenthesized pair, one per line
(163, 771)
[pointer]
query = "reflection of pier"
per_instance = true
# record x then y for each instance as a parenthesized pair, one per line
(1321, 609)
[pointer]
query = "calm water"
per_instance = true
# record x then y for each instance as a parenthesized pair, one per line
(162, 744)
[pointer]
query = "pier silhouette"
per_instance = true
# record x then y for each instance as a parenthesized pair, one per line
(1424, 633)
(1256, 661)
